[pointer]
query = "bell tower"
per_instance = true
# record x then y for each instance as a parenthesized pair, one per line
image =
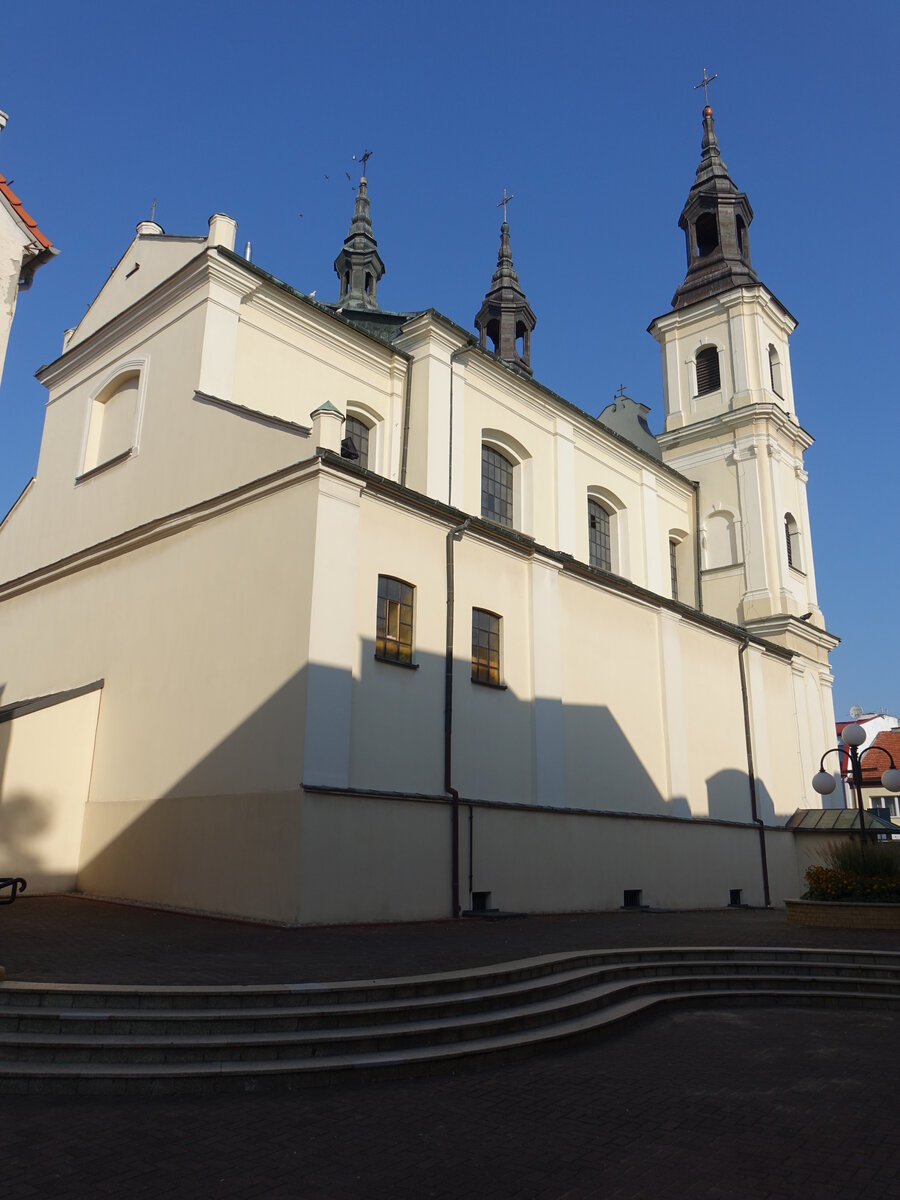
(730, 421)
(505, 317)
(359, 266)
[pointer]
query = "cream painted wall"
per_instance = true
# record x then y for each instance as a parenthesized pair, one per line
(185, 450)
(397, 720)
(202, 640)
(290, 358)
(45, 773)
(392, 858)
(149, 261)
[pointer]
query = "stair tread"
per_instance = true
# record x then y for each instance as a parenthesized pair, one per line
(461, 1021)
(611, 957)
(496, 1042)
(406, 1003)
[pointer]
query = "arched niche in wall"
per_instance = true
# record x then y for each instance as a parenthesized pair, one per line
(720, 540)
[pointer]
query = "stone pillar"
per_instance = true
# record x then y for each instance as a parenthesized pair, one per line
(328, 422)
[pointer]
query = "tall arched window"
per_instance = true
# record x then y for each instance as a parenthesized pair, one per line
(707, 363)
(496, 487)
(599, 536)
(792, 542)
(707, 234)
(775, 373)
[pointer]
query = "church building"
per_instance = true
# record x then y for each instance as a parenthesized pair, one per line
(321, 612)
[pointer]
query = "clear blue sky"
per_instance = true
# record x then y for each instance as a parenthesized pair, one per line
(585, 111)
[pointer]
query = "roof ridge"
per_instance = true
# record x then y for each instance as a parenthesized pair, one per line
(24, 216)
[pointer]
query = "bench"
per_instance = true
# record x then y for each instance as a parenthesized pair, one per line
(15, 884)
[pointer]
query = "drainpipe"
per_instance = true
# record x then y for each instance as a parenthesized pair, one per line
(751, 775)
(453, 535)
(454, 354)
(695, 484)
(404, 445)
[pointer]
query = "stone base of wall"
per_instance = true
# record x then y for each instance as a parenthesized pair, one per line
(842, 914)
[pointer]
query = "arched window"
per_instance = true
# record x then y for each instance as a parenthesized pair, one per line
(497, 499)
(112, 421)
(707, 229)
(741, 236)
(607, 532)
(775, 373)
(599, 536)
(792, 542)
(680, 565)
(673, 567)
(358, 431)
(707, 363)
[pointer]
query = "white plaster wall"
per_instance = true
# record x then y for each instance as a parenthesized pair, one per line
(45, 772)
(188, 451)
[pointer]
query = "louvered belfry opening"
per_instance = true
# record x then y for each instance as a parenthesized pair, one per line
(708, 371)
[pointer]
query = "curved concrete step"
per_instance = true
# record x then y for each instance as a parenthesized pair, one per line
(189, 1078)
(256, 1032)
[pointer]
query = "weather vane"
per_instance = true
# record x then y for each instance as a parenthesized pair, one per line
(503, 203)
(704, 83)
(153, 210)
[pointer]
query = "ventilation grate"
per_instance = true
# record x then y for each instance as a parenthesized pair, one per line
(708, 371)
(631, 898)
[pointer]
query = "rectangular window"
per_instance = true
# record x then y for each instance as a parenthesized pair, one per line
(359, 432)
(394, 624)
(673, 568)
(599, 540)
(485, 647)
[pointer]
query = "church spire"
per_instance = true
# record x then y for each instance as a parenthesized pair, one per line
(359, 266)
(505, 315)
(715, 220)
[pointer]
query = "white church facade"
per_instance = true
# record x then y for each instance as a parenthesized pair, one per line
(320, 613)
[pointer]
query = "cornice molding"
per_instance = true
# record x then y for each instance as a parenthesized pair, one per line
(763, 413)
(192, 276)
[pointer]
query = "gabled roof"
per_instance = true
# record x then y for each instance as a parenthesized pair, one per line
(874, 765)
(24, 217)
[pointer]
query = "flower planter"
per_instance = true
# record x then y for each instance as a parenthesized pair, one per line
(842, 914)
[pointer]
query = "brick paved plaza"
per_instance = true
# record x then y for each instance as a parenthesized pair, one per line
(768, 1103)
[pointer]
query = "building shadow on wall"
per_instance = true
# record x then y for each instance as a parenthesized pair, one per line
(390, 720)
(728, 797)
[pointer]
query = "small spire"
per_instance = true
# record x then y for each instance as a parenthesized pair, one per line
(359, 267)
(505, 315)
(716, 220)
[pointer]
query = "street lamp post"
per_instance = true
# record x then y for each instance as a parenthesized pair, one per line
(853, 737)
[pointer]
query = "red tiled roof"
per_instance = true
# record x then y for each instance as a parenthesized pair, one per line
(26, 218)
(874, 765)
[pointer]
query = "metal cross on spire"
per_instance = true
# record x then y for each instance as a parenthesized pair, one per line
(363, 160)
(620, 392)
(705, 82)
(503, 203)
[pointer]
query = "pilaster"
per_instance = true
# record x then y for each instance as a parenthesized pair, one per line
(549, 746)
(332, 633)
